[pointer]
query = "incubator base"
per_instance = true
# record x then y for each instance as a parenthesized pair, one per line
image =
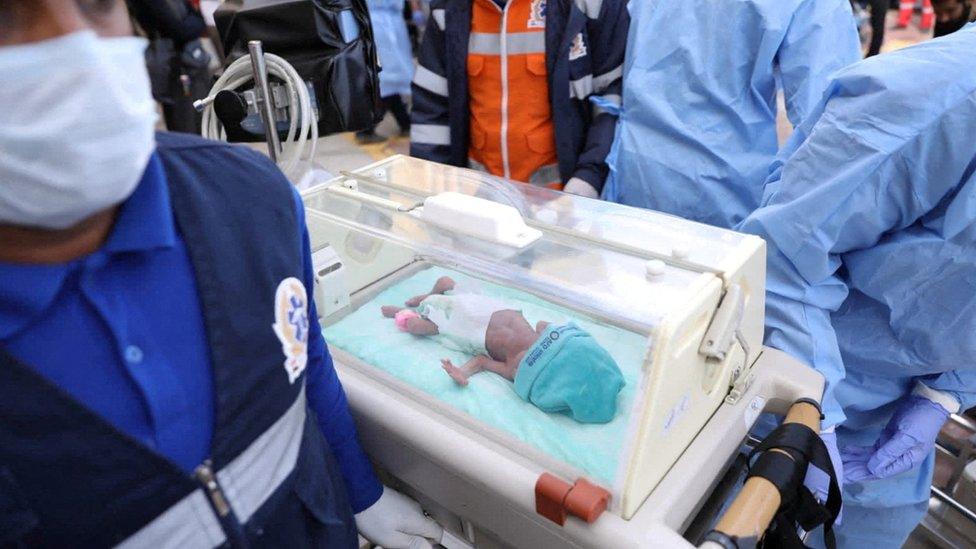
(483, 494)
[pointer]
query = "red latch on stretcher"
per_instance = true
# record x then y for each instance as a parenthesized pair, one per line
(555, 499)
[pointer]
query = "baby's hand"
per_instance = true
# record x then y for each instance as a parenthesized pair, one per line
(446, 363)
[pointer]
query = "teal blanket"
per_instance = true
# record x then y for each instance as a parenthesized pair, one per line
(490, 398)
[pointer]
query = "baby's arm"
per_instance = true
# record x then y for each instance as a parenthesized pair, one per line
(409, 321)
(420, 326)
(443, 284)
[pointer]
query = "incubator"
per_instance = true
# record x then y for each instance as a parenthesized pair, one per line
(678, 305)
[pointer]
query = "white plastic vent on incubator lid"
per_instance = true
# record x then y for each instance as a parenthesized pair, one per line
(480, 218)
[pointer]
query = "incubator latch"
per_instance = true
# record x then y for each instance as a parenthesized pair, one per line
(555, 499)
(740, 384)
(724, 330)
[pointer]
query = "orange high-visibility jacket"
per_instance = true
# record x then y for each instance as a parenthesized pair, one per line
(511, 121)
(530, 90)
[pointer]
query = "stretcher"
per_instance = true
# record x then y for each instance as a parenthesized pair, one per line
(682, 304)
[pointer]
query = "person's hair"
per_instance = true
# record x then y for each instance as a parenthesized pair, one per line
(969, 14)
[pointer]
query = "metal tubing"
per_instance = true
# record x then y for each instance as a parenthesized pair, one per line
(961, 461)
(958, 507)
(943, 450)
(260, 69)
(964, 422)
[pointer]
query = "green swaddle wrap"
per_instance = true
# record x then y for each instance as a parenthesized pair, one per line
(567, 371)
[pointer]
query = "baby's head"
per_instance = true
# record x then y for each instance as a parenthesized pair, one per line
(566, 370)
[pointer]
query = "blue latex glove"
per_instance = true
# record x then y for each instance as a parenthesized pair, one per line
(419, 18)
(817, 481)
(904, 444)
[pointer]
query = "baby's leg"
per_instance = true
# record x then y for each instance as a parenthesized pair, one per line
(503, 369)
(444, 284)
(478, 364)
(390, 311)
(470, 368)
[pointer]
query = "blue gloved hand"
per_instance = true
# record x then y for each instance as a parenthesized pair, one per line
(817, 481)
(419, 18)
(904, 444)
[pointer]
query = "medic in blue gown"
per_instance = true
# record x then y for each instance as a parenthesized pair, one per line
(698, 129)
(871, 224)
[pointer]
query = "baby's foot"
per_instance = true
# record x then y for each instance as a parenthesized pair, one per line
(456, 374)
(390, 311)
(415, 301)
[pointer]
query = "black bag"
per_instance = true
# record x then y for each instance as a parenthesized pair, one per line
(308, 34)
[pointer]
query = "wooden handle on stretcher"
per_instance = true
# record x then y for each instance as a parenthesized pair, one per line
(754, 508)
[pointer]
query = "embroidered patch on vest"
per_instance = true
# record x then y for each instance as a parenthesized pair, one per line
(537, 15)
(578, 49)
(291, 325)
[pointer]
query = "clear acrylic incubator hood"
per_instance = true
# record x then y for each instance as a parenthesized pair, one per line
(678, 305)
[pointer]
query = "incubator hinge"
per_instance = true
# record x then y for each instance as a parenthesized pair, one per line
(556, 499)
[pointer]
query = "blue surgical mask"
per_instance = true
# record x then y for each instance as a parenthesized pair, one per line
(76, 127)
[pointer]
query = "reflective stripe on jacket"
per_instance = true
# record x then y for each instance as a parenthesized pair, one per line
(585, 42)
(511, 121)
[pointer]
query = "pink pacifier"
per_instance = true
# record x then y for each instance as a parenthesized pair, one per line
(402, 317)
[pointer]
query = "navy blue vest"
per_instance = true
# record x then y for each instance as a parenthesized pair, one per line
(69, 478)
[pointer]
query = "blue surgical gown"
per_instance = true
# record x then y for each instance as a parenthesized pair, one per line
(870, 217)
(698, 128)
(392, 46)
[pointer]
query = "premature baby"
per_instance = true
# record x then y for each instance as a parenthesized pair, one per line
(556, 368)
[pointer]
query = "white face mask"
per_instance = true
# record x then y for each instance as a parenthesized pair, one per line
(76, 127)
